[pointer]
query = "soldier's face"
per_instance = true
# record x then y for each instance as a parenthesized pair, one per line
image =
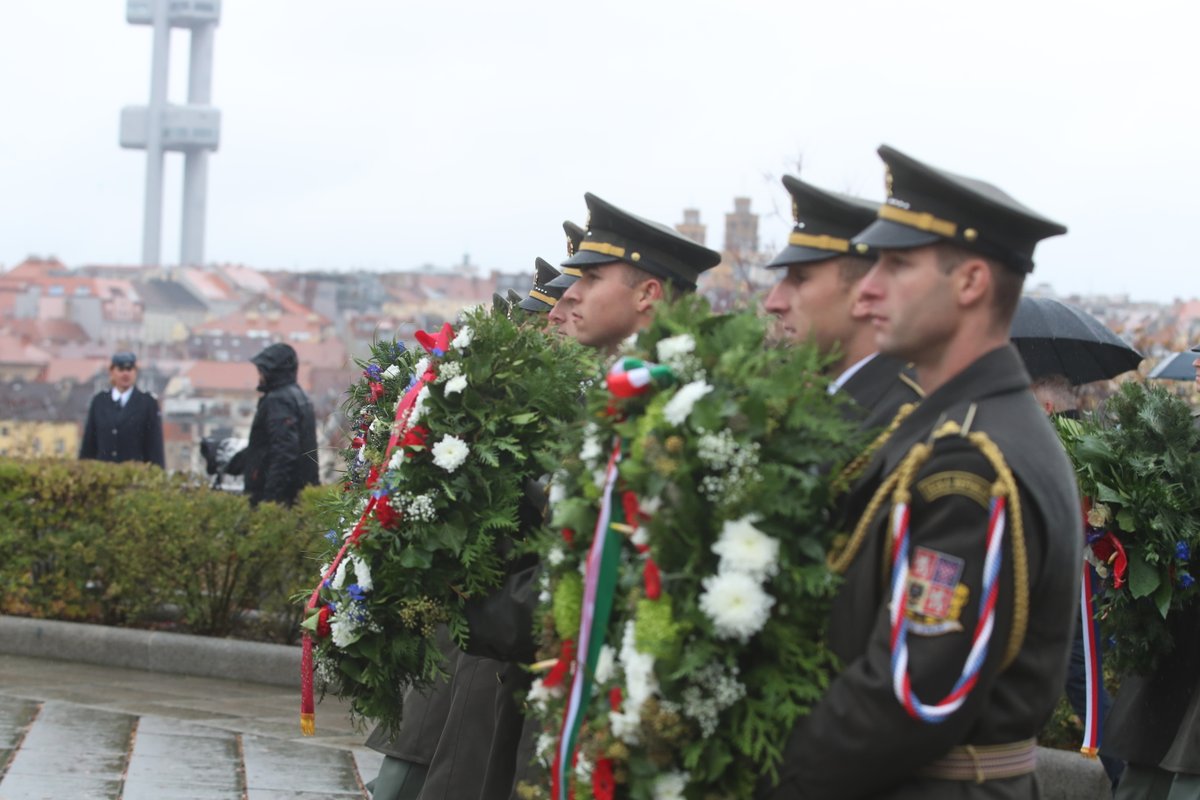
(910, 302)
(122, 377)
(605, 305)
(813, 302)
(560, 317)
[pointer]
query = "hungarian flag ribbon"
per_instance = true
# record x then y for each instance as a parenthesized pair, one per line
(598, 592)
(630, 377)
(436, 345)
(1091, 666)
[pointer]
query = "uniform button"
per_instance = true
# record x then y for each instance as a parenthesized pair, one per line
(114, 431)
(114, 452)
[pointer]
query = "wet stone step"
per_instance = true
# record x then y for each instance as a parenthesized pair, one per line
(70, 751)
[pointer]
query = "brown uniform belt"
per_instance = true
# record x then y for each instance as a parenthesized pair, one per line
(984, 762)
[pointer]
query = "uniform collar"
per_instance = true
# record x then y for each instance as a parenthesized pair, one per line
(122, 397)
(849, 373)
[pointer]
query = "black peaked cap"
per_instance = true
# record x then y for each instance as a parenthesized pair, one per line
(926, 205)
(825, 224)
(614, 234)
(541, 297)
(569, 275)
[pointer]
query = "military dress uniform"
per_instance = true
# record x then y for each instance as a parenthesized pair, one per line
(976, 441)
(825, 222)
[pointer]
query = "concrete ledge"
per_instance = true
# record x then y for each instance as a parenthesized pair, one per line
(153, 651)
(1066, 775)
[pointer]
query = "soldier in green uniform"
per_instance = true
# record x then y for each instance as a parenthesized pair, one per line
(559, 315)
(961, 571)
(817, 299)
(625, 265)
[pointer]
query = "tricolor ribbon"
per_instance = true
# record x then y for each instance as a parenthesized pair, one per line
(598, 590)
(630, 377)
(901, 683)
(1091, 666)
(436, 345)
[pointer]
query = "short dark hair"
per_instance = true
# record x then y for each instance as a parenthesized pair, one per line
(1007, 281)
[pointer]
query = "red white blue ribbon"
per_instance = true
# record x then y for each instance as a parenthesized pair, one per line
(901, 683)
(1091, 666)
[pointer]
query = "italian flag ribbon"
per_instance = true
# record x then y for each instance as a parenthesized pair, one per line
(599, 588)
(435, 345)
(630, 377)
(901, 684)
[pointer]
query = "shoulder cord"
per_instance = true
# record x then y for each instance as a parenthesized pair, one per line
(1004, 494)
(841, 554)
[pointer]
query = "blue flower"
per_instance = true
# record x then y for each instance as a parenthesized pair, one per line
(332, 607)
(325, 583)
(1185, 581)
(399, 348)
(373, 372)
(1182, 551)
(438, 352)
(356, 592)
(331, 536)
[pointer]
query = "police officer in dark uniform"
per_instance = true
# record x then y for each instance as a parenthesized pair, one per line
(123, 423)
(955, 615)
(817, 300)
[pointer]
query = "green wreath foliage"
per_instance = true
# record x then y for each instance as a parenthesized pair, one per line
(1136, 459)
(450, 503)
(745, 468)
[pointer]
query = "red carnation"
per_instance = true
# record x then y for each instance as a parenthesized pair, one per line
(377, 391)
(388, 517)
(357, 442)
(414, 437)
(323, 616)
(372, 477)
(603, 784)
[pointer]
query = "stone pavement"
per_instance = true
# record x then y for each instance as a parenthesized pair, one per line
(74, 731)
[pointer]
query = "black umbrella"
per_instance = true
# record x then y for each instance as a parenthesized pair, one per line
(1175, 367)
(1058, 339)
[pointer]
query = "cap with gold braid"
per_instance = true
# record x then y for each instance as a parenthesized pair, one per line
(616, 235)
(542, 297)
(569, 275)
(927, 205)
(825, 224)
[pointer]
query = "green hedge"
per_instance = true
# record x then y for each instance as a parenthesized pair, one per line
(125, 544)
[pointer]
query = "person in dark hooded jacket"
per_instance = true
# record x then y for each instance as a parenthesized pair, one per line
(281, 458)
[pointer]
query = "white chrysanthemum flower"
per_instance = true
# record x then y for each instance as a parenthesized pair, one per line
(421, 366)
(463, 339)
(557, 493)
(591, 449)
(397, 458)
(545, 746)
(605, 663)
(640, 681)
(600, 477)
(650, 505)
(679, 407)
(362, 574)
(344, 630)
(624, 726)
(392, 371)
(555, 556)
(583, 768)
(539, 695)
(669, 786)
(629, 343)
(736, 604)
(418, 407)
(671, 349)
(455, 385)
(640, 537)
(450, 452)
(326, 565)
(339, 577)
(744, 548)
(545, 597)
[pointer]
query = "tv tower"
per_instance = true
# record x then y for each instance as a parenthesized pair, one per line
(193, 129)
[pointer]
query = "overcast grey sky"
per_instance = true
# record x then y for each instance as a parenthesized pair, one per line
(385, 134)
